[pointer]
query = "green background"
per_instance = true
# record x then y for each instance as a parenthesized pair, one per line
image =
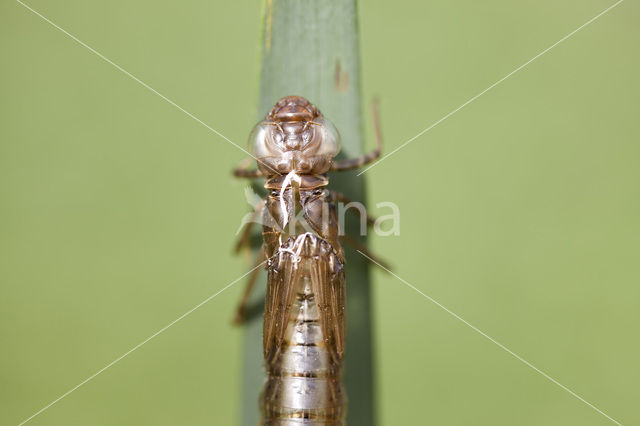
(520, 213)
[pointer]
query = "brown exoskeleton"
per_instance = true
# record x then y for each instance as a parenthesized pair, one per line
(304, 319)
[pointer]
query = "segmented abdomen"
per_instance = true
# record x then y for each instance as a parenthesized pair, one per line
(304, 366)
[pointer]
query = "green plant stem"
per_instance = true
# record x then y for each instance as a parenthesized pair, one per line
(310, 48)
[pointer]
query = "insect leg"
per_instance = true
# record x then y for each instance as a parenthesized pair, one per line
(354, 163)
(338, 196)
(245, 237)
(243, 171)
(240, 316)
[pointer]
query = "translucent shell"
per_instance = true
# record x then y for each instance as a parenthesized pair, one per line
(308, 147)
(330, 136)
(258, 145)
(319, 138)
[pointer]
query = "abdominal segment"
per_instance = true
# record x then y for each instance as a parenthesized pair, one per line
(304, 335)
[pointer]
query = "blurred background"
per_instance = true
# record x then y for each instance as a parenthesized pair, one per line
(520, 213)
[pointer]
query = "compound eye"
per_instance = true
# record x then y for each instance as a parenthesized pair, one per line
(263, 140)
(257, 141)
(329, 138)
